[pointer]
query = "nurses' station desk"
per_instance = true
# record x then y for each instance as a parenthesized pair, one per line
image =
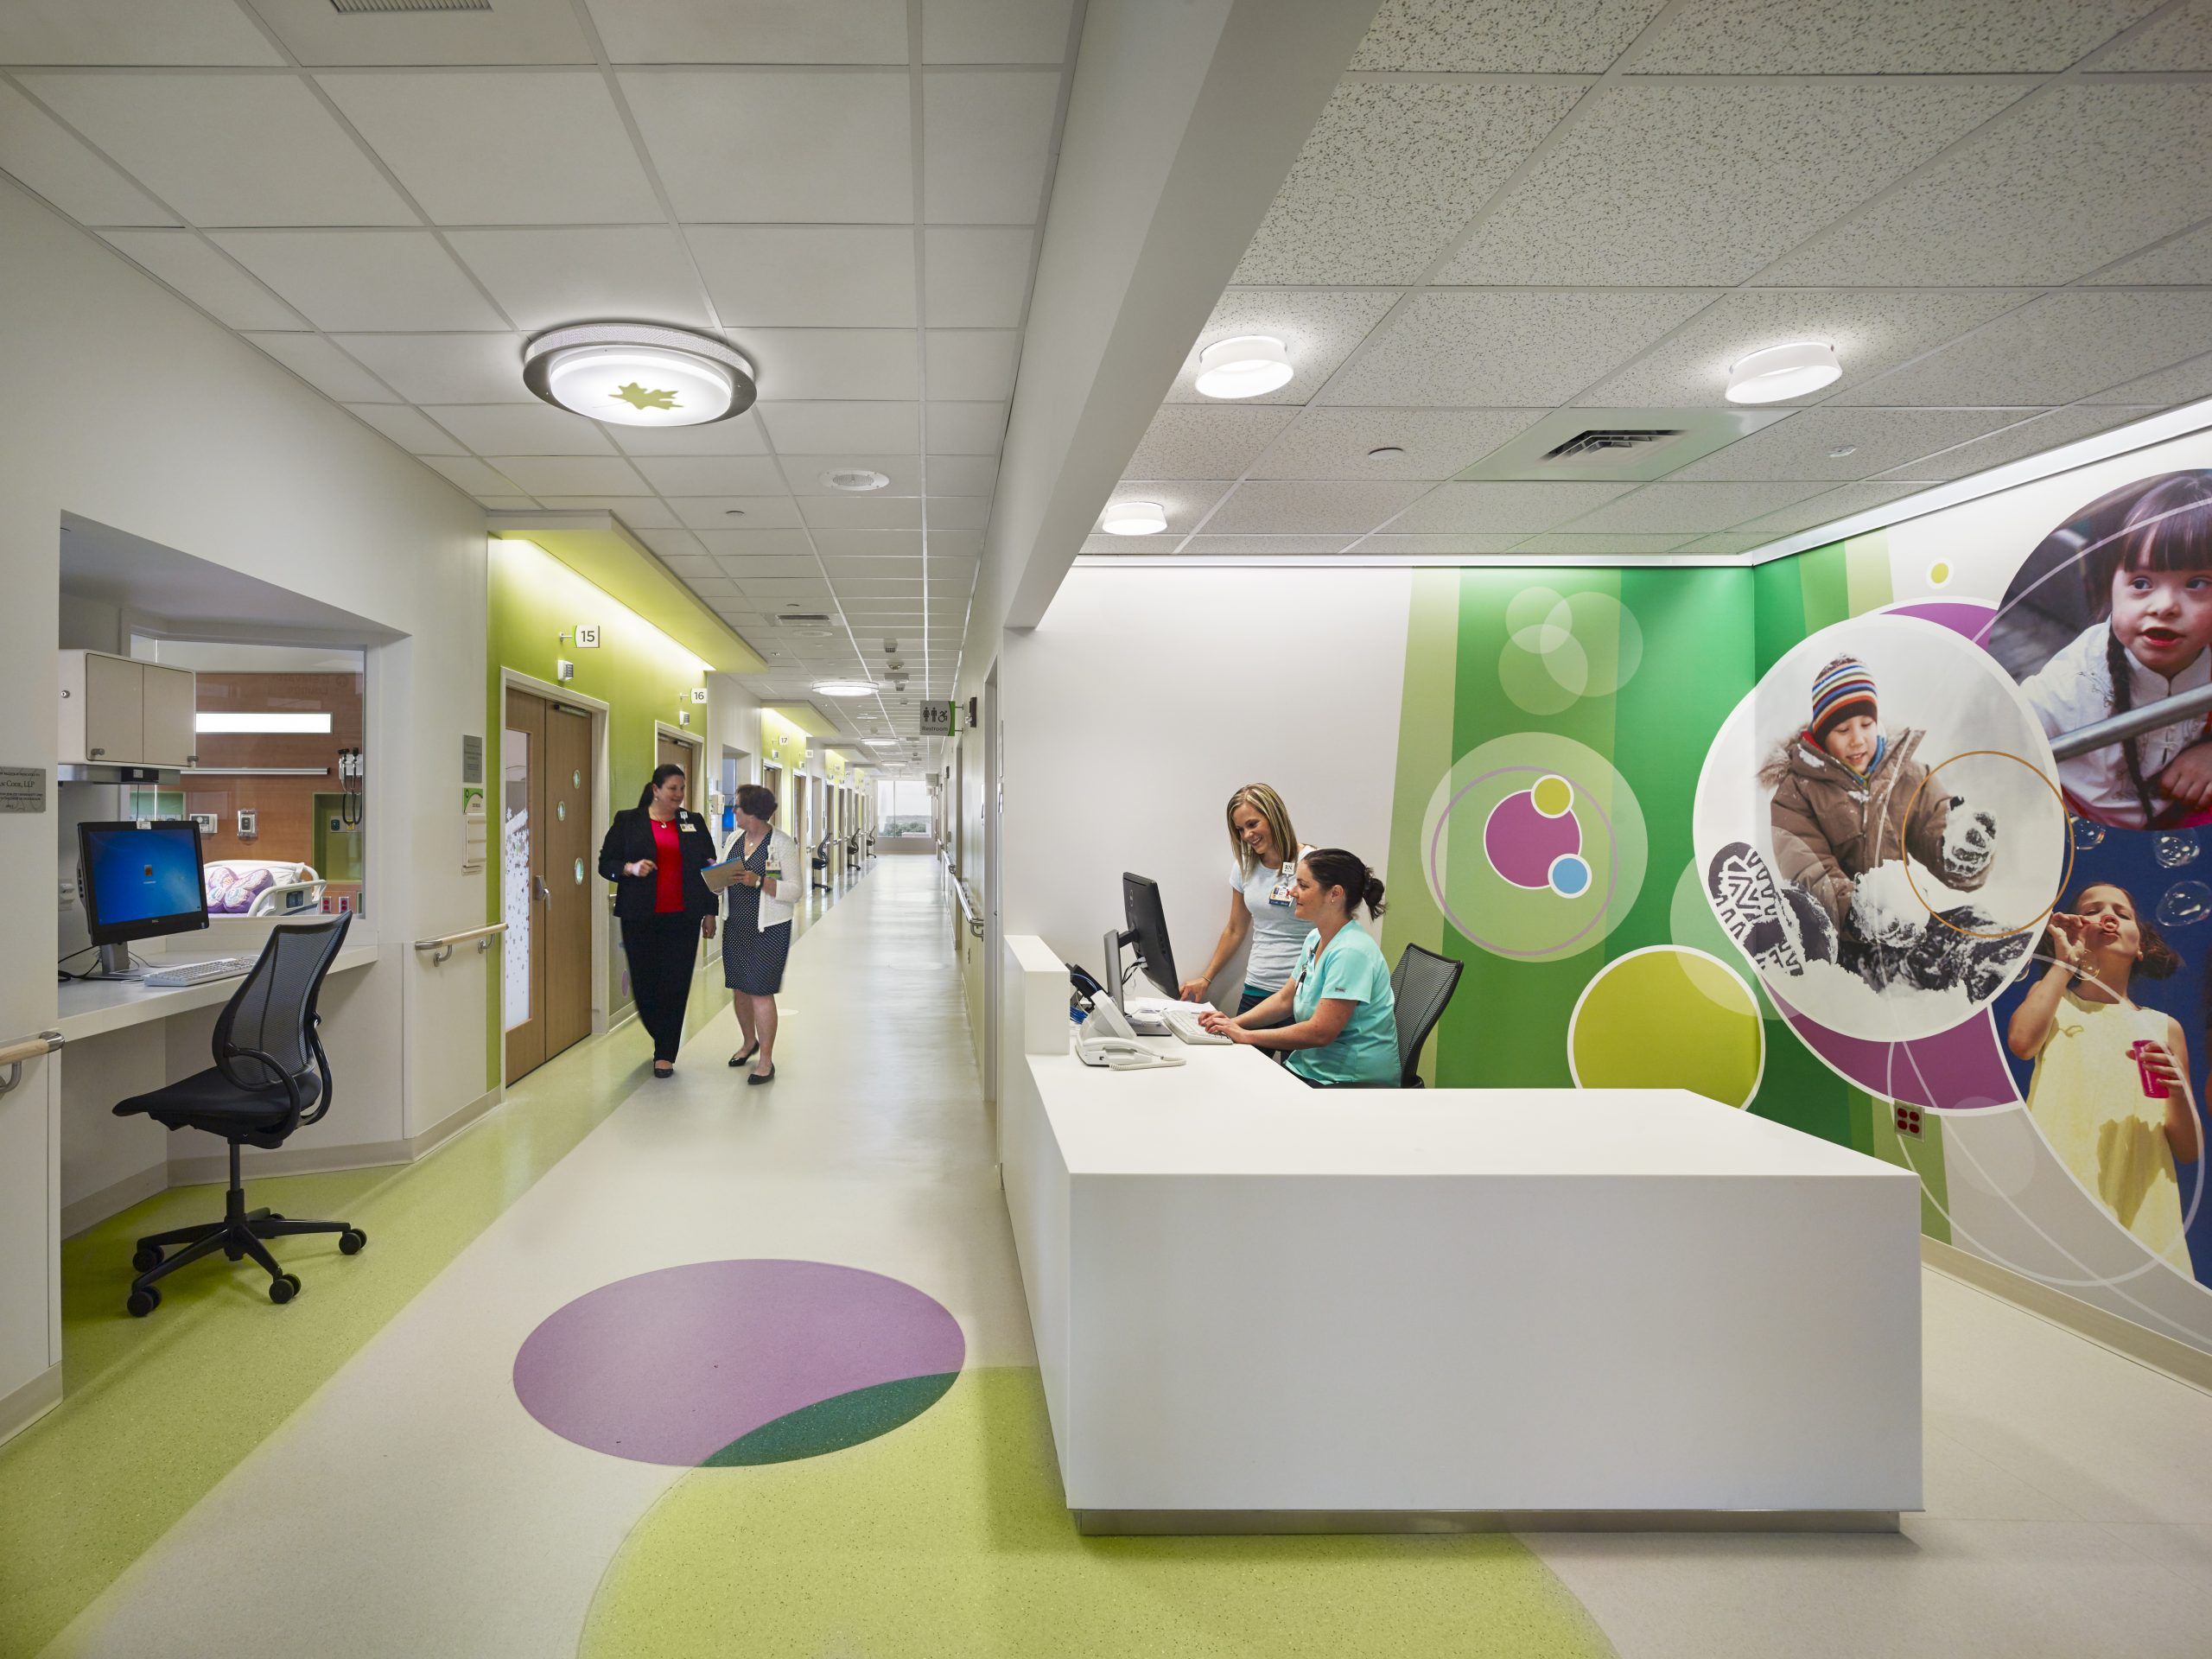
(1263, 1307)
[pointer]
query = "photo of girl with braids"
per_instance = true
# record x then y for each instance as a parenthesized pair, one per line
(2141, 560)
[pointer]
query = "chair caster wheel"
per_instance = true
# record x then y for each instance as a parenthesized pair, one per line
(143, 1302)
(284, 1287)
(148, 1258)
(351, 1242)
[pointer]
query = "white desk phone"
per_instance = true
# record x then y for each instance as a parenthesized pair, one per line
(1106, 1039)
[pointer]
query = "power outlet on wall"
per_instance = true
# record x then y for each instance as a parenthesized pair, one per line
(68, 891)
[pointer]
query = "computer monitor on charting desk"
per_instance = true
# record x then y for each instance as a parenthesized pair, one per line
(1148, 931)
(138, 880)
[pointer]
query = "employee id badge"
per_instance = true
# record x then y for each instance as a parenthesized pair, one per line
(690, 827)
(1281, 896)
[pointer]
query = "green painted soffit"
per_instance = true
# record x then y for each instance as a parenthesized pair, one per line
(805, 717)
(613, 560)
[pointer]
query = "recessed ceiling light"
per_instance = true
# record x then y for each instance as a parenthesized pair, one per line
(1133, 519)
(845, 688)
(1780, 371)
(855, 481)
(1243, 367)
(634, 374)
(883, 743)
(1387, 452)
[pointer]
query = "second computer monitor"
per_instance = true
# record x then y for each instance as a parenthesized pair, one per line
(1147, 930)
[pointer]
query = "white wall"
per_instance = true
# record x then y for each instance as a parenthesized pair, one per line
(153, 420)
(1146, 695)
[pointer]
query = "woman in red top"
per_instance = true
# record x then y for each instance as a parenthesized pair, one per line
(654, 854)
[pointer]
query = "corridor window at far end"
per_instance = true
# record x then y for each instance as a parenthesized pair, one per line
(902, 806)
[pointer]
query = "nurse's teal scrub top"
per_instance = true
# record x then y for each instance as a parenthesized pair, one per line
(1351, 971)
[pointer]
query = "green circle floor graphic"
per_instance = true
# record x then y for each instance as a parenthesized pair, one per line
(949, 1538)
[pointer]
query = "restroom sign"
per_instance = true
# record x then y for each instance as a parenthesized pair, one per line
(938, 720)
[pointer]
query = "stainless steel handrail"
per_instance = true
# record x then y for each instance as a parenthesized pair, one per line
(13, 1055)
(444, 944)
(960, 891)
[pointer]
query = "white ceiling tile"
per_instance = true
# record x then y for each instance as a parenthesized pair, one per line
(325, 367)
(528, 147)
(959, 512)
(2057, 187)
(408, 428)
(1391, 172)
(1657, 184)
(544, 278)
(1333, 441)
(867, 543)
(867, 590)
(2180, 39)
(174, 32)
(976, 277)
(226, 148)
(1319, 330)
(1186, 501)
(759, 146)
(1206, 440)
(2183, 261)
(507, 503)
(809, 275)
(1502, 36)
(862, 511)
(1302, 507)
(511, 31)
(995, 31)
(1870, 37)
(1829, 507)
(987, 143)
(680, 475)
(860, 363)
(750, 568)
(1500, 509)
(947, 542)
(188, 264)
(51, 161)
(752, 31)
(445, 368)
(959, 475)
(2060, 426)
(522, 428)
(864, 567)
(971, 363)
(805, 472)
(2062, 347)
(712, 586)
(640, 512)
(380, 281)
(1726, 541)
(1799, 447)
(1432, 546)
(1507, 348)
(1872, 331)
(470, 474)
(732, 543)
(964, 428)
(739, 435)
(736, 513)
(1691, 509)
(571, 474)
(821, 428)
(1599, 546)
(1238, 546)
(2184, 383)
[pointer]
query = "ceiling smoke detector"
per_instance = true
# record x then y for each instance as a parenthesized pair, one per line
(855, 481)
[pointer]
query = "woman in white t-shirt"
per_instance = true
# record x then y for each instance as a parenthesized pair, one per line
(1260, 899)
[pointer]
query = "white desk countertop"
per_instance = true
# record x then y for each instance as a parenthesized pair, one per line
(86, 1007)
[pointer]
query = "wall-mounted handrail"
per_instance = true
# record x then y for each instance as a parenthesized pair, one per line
(960, 891)
(13, 1055)
(444, 943)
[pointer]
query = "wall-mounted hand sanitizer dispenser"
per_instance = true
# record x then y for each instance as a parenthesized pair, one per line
(472, 831)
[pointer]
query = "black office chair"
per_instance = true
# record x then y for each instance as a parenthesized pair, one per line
(1422, 987)
(271, 1076)
(821, 864)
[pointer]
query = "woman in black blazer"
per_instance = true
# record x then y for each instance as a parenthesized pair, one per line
(654, 854)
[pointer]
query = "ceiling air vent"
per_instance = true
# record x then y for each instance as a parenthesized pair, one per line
(345, 6)
(1596, 440)
(805, 616)
(855, 481)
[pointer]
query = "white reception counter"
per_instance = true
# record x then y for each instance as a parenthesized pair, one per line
(1261, 1307)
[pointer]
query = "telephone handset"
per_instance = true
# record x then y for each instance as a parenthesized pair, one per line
(1106, 1039)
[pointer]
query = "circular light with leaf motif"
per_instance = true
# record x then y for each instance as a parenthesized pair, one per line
(633, 374)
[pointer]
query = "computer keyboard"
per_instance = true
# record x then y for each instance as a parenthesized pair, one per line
(199, 973)
(1186, 1029)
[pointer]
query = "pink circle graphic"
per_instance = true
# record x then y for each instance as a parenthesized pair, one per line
(1523, 844)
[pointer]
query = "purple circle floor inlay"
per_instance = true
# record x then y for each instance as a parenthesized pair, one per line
(672, 1366)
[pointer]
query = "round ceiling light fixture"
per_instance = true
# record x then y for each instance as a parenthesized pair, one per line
(1780, 371)
(845, 688)
(883, 743)
(1133, 519)
(855, 481)
(634, 374)
(1243, 367)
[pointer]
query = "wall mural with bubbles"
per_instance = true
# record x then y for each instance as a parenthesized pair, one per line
(1888, 841)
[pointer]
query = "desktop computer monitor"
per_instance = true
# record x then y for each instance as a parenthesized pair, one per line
(139, 880)
(1147, 930)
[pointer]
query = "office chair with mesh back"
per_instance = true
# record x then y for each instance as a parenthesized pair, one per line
(271, 1076)
(1422, 985)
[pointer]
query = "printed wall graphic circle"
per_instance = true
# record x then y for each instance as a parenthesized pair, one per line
(1961, 1069)
(1665, 1017)
(2111, 613)
(1561, 648)
(1521, 882)
(721, 1364)
(1878, 906)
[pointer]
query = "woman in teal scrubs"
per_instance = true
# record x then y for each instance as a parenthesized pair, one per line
(1344, 1027)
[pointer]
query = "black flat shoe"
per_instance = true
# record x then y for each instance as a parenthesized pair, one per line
(664, 1076)
(769, 1076)
(740, 1059)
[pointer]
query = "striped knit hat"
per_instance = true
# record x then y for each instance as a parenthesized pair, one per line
(1841, 690)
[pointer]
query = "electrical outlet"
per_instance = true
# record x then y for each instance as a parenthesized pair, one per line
(1908, 1122)
(68, 894)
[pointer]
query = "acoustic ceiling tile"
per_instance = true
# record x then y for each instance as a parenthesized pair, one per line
(1319, 329)
(1502, 36)
(2062, 347)
(1245, 547)
(1301, 508)
(1487, 509)
(470, 474)
(975, 277)
(996, 31)
(862, 511)
(483, 368)
(738, 435)
(2183, 261)
(1803, 446)
(1561, 541)
(782, 543)
(754, 146)
(1868, 37)
(959, 475)
(964, 428)
(380, 281)
(809, 275)
(169, 32)
(52, 161)
(640, 512)
(2184, 383)
(1428, 546)
(409, 429)
(2060, 426)
(1833, 505)
(1391, 172)
(836, 546)
(1690, 509)
(522, 428)
(1725, 542)
(987, 144)
(682, 475)
(857, 363)
(679, 550)
(1334, 441)
(736, 513)
(1207, 439)
(325, 367)
(544, 277)
(971, 364)
(2180, 39)
(543, 475)
(752, 31)
(199, 272)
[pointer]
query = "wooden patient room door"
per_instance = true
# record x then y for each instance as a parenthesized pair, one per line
(548, 853)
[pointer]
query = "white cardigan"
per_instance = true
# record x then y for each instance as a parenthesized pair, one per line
(784, 854)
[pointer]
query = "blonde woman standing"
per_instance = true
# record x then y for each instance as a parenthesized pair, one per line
(1262, 900)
